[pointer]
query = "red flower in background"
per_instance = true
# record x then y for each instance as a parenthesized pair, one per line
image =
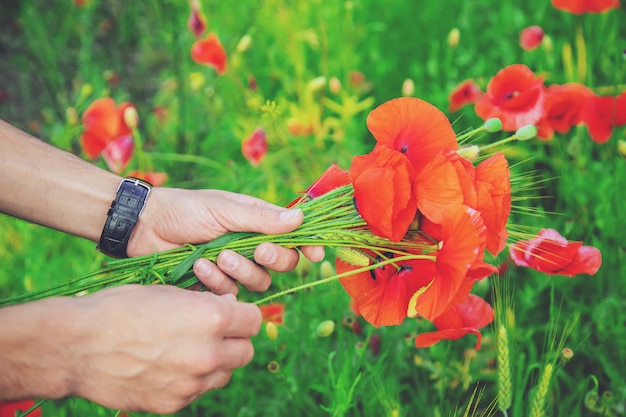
(563, 107)
(467, 317)
(333, 177)
(383, 191)
(209, 51)
(465, 93)
(601, 113)
(196, 22)
(515, 95)
(154, 178)
(530, 38)
(106, 133)
(273, 312)
(585, 6)
(255, 147)
(551, 253)
(413, 127)
(9, 408)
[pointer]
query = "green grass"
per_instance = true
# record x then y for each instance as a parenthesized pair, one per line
(55, 56)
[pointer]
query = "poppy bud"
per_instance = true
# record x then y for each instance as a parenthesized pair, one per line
(621, 147)
(244, 43)
(131, 118)
(316, 84)
(71, 116)
(408, 88)
(352, 256)
(566, 355)
(327, 270)
(325, 328)
(526, 132)
(335, 85)
(493, 125)
(469, 152)
(454, 37)
(271, 330)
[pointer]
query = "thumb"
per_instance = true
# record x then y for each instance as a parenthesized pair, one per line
(266, 218)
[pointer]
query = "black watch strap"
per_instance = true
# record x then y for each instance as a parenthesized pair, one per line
(123, 215)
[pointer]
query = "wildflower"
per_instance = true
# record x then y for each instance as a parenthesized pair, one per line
(408, 88)
(467, 92)
(273, 312)
(255, 147)
(413, 127)
(466, 317)
(196, 22)
(11, 408)
(333, 177)
(514, 95)
(271, 330)
(325, 328)
(563, 107)
(154, 178)
(601, 113)
(388, 210)
(585, 6)
(209, 51)
(531, 37)
(104, 126)
(551, 253)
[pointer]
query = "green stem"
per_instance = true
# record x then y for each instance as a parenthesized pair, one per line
(342, 275)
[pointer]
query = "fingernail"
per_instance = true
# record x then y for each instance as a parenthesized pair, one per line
(229, 260)
(229, 297)
(289, 215)
(202, 267)
(267, 256)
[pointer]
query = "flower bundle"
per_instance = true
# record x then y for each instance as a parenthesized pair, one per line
(410, 223)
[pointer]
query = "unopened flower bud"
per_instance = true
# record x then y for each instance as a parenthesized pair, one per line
(131, 118)
(244, 43)
(526, 132)
(547, 45)
(469, 152)
(335, 85)
(454, 37)
(493, 125)
(86, 90)
(566, 355)
(408, 88)
(316, 84)
(72, 116)
(326, 269)
(621, 147)
(271, 330)
(325, 328)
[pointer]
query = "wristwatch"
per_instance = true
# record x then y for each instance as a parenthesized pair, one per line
(122, 217)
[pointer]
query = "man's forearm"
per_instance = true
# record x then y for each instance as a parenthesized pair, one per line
(51, 187)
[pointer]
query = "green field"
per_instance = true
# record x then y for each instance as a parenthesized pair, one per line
(309, 73)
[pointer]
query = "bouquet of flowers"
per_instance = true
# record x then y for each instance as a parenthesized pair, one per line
(413, 224)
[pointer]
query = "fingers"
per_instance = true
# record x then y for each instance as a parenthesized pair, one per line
(242, 321)
(214, 278)
(313, 253)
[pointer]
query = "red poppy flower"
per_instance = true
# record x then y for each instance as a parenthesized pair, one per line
(333, 177)
(273, 312)
(155, 178)
(465, 93)
(413, 127)
(514, 95)
(551, 253)
(601, 113)
(563, 107)
(117, 154)
(209, 51)
(383, 191)
(530, 38)
(10, 408)
(255, 147)
(196, 22)
(585, 6)
(382, 296)
(493, 188)
(436, 187)
(464, 318)
(462, 238)
(103, 123)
